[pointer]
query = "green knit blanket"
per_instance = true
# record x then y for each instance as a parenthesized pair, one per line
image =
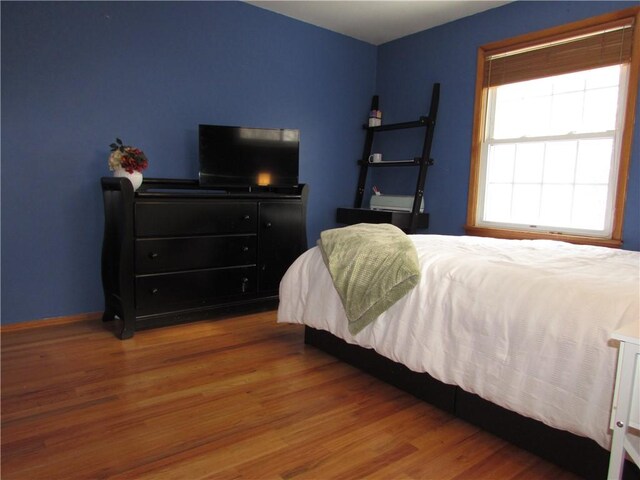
(372, 267)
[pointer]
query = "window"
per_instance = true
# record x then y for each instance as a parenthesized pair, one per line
(552, 135)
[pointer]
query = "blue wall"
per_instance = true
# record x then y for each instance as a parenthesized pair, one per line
(77, 74)
(447, 54)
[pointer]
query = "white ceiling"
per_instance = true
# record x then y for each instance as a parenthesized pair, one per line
(377, 21)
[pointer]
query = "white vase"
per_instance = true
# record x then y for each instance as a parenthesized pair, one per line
(135, 178)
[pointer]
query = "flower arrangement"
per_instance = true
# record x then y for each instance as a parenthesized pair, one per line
(126, 157)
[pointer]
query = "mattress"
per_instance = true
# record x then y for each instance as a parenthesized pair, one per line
(524, 324)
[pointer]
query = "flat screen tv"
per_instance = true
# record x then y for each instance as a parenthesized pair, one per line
(243, 157)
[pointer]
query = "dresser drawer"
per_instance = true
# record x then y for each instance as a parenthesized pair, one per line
(184, 218)
(190, 289)
(155, 255)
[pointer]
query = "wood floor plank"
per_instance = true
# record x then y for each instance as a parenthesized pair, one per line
(235, 398)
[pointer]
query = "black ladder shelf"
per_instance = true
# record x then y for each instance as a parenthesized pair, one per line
(407, 221)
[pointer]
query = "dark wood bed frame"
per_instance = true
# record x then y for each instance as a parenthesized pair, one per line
(579, 455)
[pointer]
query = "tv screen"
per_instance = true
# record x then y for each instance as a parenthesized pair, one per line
(248, 157)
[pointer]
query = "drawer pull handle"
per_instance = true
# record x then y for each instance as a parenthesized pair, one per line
(154, 291)
(245, 281)
(245, 248)
(153, 255)
(246, 217)
(267, 225)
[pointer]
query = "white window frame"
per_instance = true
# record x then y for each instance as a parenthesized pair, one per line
(615, 135)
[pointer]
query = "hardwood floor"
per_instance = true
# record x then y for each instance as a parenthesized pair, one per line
(235, 398)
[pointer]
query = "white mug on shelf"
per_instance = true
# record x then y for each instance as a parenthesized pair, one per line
(375, 158)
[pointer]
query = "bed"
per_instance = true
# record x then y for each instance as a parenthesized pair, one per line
(519, 325)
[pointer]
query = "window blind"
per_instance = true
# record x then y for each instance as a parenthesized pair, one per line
(606, 45)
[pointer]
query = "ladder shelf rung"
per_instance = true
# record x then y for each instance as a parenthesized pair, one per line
(397, 163)
(423, 121)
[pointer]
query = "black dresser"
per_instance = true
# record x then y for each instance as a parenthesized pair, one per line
(173, 252)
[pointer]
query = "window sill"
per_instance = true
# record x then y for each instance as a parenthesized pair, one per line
(527, 235)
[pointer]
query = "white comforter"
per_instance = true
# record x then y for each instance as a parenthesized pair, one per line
(523, 324)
